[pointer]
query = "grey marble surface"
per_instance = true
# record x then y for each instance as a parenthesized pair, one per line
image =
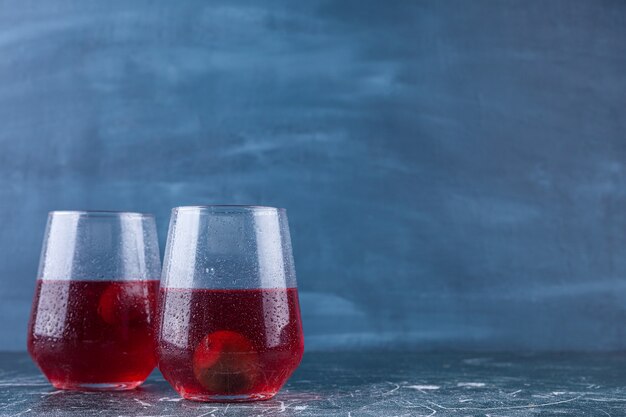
(363, 384)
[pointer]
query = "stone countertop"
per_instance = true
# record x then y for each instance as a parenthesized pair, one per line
(362, 384)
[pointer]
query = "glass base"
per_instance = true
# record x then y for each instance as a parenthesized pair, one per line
(104, 386)
(243, 398)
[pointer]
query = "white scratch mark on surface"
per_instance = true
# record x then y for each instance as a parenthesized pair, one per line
(432, 410)
(300, 407)
(423, 388)
(604, 399)
(211, 411)
(151, 415)
(394, 389)
(512, 407)
(145, 404)
(471, 384)
(476, 361)
(12, 404)
(52, 393)
(170, 399)
(22, 412)
(514, 393)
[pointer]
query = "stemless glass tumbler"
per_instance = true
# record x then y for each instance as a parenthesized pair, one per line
(230, 319)
(93, 323)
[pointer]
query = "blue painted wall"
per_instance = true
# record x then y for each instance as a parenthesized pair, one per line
(454, 172)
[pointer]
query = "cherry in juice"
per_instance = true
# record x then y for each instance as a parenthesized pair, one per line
(229, 345)
(94, 334)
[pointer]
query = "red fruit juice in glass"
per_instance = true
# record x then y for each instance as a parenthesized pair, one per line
(93, 322)
(243, 342)
(230, 327)
(92, 334)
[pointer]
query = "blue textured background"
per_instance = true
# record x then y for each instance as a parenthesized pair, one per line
(454, 171)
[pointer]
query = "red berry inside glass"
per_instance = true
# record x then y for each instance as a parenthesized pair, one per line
(124, 303)
(225, 361)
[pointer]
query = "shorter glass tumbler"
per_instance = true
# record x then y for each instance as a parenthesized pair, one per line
(230, 319)
(92, 325)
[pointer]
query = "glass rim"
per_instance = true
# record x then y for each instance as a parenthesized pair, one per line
(98, 213)
(228, 208)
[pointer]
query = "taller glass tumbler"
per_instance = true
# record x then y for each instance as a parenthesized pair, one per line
(230, 319)
(93, 321)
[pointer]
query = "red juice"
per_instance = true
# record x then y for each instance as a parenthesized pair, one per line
(94, 334)
(229, 345)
